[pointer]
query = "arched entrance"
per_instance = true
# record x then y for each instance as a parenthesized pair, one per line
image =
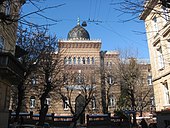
(79, 109)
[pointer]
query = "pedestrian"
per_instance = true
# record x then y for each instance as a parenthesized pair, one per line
(143, 124)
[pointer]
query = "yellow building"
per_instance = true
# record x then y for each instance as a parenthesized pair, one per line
(156, 18)
(11, 70)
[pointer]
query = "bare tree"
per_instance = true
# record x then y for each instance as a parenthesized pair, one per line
(50, 68)
(134, 91)
(31, 42)
(84, 86)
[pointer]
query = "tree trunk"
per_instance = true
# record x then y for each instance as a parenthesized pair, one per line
(21, 91)
(43, 110)
(133, 107)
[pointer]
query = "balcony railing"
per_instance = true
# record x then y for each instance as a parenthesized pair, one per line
(10, 68)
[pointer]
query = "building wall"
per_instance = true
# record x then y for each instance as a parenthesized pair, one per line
(8, 28)
(157, 30)
(4, 102)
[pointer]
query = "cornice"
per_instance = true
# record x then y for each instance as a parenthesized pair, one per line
(148, 7)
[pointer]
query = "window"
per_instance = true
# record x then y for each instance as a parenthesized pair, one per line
(7, 8)
(65, 104)
(107, 64)
(1, 43)
(166, 93)
(74, 60)
(92, 59)
(65, 60)
(149, 80)
(155, 25)
(32, 102)
(110, 80)
(83, 60)
(160, 58)
(93, 103)
(88, 60)
(152, 101)
(33, 80)
(69, 60)
(110, 64)
(112, 101)
(79, 60)
(48, 100)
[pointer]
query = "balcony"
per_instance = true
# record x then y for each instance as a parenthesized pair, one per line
(10, 68)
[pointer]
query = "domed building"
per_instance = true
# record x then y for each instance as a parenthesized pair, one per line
(86, 75)
(81, 57)
(78, 33)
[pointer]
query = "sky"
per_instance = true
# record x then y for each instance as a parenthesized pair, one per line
(103, 22)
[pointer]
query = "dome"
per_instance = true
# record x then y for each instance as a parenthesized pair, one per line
(78, 33)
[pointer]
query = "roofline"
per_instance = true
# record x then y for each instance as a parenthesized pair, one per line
(77, 41)
(149, 5)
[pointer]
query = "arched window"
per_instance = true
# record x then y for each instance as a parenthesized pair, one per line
(83, 60)
(32, 102)
(88, 60)
(8, 7)
(69, 60)
(74, 60)
(107, 63)
(65, 103)
(65, 60)
(92, 60)
(48, 100)
(110, 64)
(79, 60)
(1, 43)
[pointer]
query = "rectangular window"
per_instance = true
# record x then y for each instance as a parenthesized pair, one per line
(155, 25)
(93, 103)
(65, 105)
(149, 80)
(32, 103)
(166, 93)
(47, 101)
(160, 58)
(112, 101)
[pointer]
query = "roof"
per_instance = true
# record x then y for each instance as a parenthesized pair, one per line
(78, 33)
